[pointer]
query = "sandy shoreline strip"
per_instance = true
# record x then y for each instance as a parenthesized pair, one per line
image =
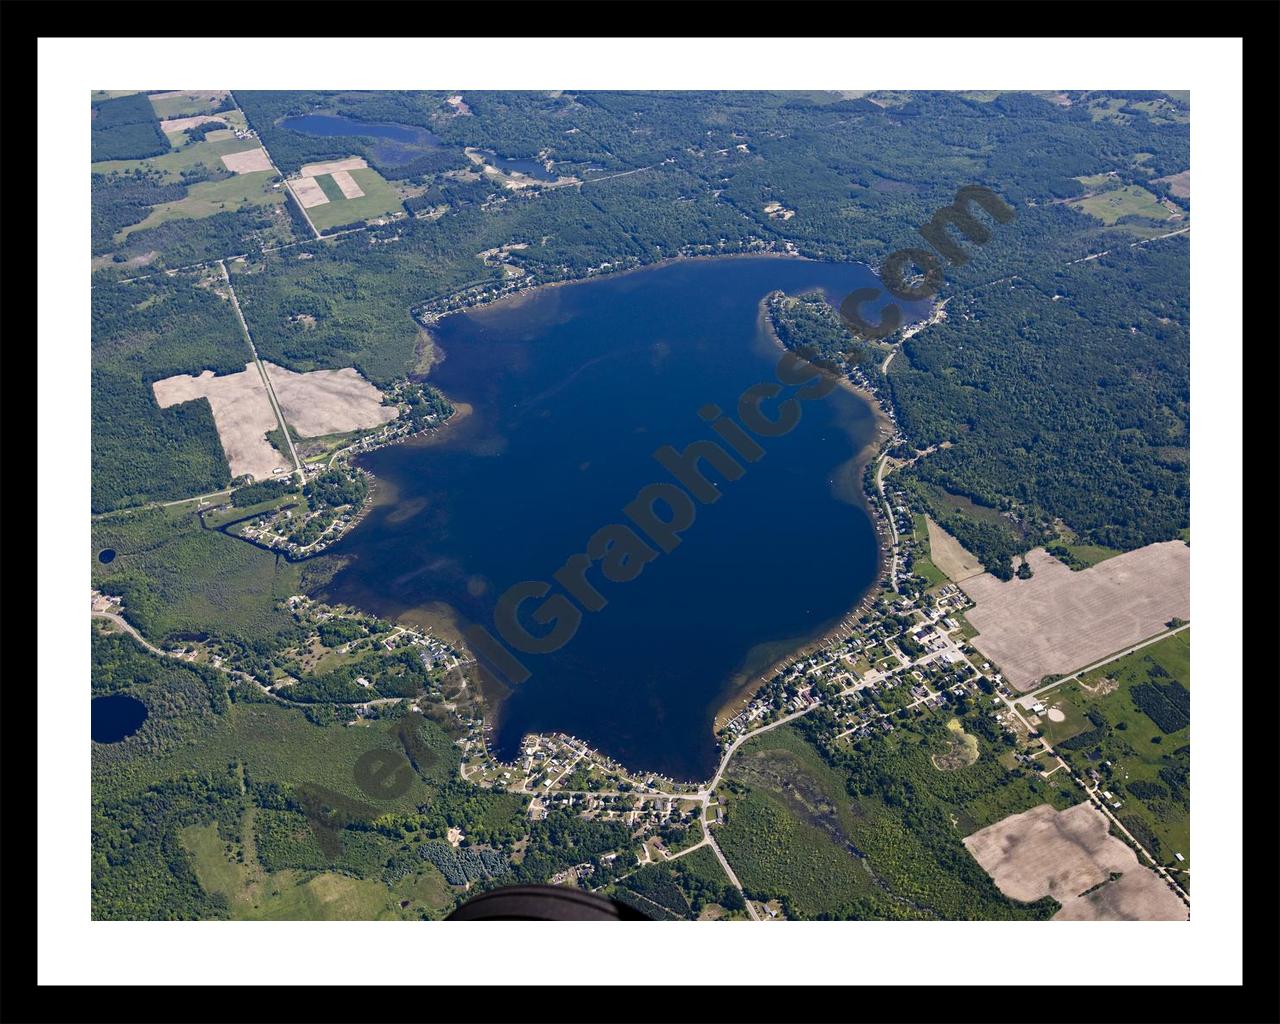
(884, 429)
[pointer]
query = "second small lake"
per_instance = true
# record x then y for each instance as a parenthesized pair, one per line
(115, 717)
(329, 125)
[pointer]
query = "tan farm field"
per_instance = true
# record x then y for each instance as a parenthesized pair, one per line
(350, 187)
(949, 555)
(181, 124)
(1060, 620)
(241, 411)
(323, 402)
(1179, 184)
(1071, 856)
(308, 192)
(350, 163)
(248, 161)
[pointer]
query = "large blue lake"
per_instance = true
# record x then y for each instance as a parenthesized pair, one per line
(571, 390)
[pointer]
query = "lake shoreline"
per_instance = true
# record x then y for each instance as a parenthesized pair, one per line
(522, 294)
(868, 439)
(884, 429)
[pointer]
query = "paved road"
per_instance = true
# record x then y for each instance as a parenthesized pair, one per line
(1093, 792)
(235, 303)
(234, 673)
(893, 526)
(1132, 245)
(306, 216)
(732, 877)
(1164, 635)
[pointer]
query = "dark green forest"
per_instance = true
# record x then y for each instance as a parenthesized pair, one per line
(126, 128)
(141, 333)
(1065, 394)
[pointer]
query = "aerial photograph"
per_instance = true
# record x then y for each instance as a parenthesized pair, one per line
(760, 506)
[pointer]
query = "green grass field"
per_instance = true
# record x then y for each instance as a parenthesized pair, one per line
(1074, 723)
(210, 197)
(254, 894)
(278, 744)
(1130, 200)
(330, 188)
(183, 155)
(1096, 180)
(1091, 554)
(1138, 749)
(1107, 108)
(186, 103)
(922, 564)
(378, 200)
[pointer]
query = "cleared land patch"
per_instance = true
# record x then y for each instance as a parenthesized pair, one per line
(350, 188)
(249, 160)
(324, 402)
(330, 188)
(1071, 856)
(1059, 620)
(185, 102)
(1133, 728)
(377, 198)
(1179, 184)
(949, 555)
(209, 198)
(181, 124)
(241, 411)
(962, 749)
(308, 192)
(350, 163)
(1130, 200)
(182, 157)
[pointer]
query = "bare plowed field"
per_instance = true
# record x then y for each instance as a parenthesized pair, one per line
(327, 401)
(948, 555)
(241, 411)
(350, 163)
(248, 161)
(1071, 856)
(1060, 620)
(350, 187)
(308, 192)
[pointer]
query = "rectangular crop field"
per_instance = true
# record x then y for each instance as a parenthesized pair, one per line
(949, 555)
(1060, 620)
(378, 199)
(184, 155)
(247, 162)
(329, 187)
(242, 411)
(1071, 856)
(323, 402)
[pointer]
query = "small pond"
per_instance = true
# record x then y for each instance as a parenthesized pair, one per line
(116, 717)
